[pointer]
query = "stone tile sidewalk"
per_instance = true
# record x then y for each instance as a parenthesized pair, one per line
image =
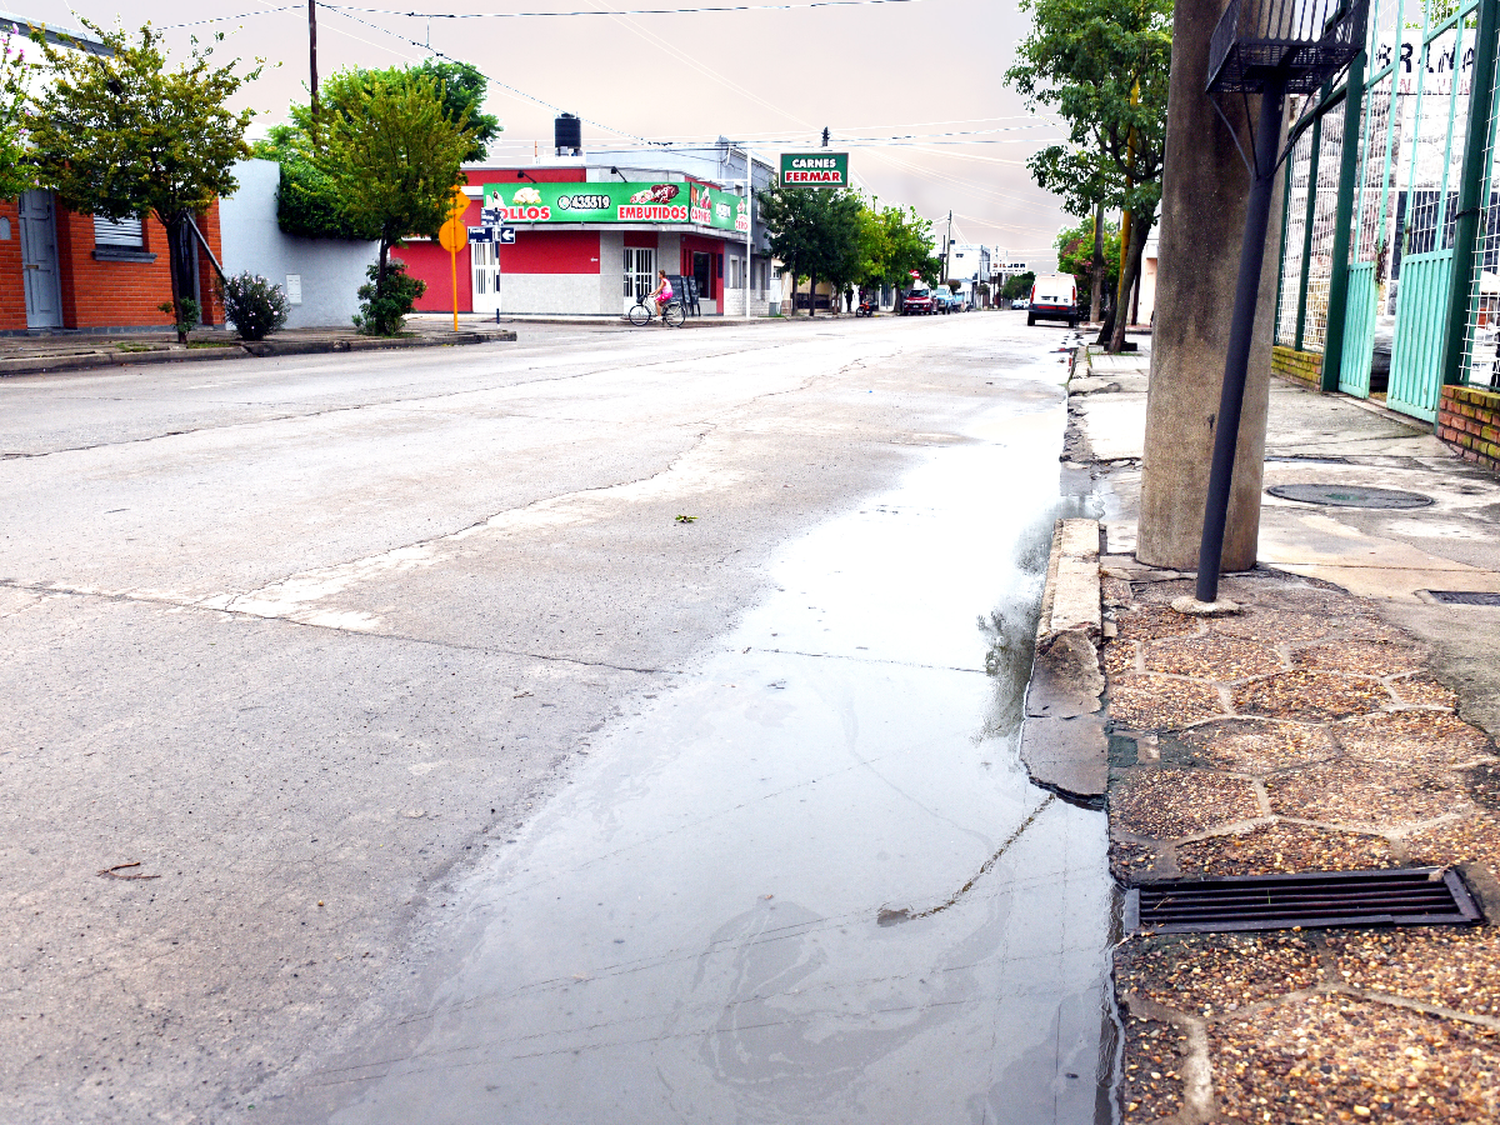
(1304, 734)
(1327, 727)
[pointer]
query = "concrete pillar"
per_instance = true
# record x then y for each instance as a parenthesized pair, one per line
(1204, 188)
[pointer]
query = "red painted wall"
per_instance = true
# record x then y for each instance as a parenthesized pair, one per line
(12, 288)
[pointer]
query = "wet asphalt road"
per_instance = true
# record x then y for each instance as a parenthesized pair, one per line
(609, 726)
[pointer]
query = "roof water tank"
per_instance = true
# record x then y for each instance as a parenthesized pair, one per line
(567, 135)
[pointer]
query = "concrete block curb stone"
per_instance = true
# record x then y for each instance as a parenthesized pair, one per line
(43, 364)
(1063, 743)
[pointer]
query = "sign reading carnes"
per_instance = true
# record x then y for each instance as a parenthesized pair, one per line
(815, 169)
(612, 203)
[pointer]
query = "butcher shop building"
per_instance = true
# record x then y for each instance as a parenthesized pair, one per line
(590, 232)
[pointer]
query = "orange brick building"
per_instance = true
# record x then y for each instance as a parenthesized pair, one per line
(61, 270)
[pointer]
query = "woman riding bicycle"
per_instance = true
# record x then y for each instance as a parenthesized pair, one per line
(661, 294)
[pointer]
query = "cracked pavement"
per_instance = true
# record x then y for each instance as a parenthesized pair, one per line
(311, 640)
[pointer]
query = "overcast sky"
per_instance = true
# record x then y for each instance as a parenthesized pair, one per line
(893, 82)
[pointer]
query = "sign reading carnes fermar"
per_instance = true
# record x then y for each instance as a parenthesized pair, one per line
(574, 202)
(815, 169)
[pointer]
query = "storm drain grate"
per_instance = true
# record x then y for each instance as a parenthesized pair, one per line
(1465, 597)
(1413, 896)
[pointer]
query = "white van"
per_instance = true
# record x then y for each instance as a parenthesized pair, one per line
(1054, 297)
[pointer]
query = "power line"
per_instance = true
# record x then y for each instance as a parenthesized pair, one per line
(616, 12)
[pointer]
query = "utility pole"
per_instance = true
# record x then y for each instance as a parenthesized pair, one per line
(312, 52)
(948, 250)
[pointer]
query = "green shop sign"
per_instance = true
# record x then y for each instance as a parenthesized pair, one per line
(815, 169)
(613, 203)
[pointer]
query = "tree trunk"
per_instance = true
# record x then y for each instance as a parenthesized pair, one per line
(812, 295)
(1130, 271)
(179, 268)
(1096, 301)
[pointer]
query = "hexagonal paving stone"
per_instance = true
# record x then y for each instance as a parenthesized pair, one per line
(1161, 702)
(1365, 658)
(1311, 695)
(1145, 622)
(1474, 839)
(1426, 738)
(1212, 657)
(1205, 974)
(1129, 860)
(1258, 746)
(1118, 657)
(1334, 1058)
(1152, 1085)
(1288, 627)
(1281, 848)
(1424, 691)
(1167, 803)
(1450, 966)
(1375, 793)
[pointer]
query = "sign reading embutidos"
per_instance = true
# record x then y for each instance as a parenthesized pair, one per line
(815, 169)
(614, 203)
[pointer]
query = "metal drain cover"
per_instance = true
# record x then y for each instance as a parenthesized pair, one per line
(1350, 496)
(1411, 896)
(1464, 597)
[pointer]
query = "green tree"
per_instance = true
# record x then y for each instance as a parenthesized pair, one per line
(390, 154)
(900, 243)
(1103, 67)
(16, 173)
(118, 135)
(1018, 285)
(307, 201)
(464, 90)
(1075, 251)
(816, 234)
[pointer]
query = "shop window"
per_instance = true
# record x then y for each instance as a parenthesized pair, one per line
(640, 270)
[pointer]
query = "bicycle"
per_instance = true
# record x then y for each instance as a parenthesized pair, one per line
(643, 312)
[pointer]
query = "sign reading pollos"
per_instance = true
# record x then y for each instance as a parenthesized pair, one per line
(815, 169)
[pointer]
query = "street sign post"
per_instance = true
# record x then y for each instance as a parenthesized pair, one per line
(453, 237)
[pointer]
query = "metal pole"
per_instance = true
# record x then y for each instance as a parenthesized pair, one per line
(1314, 158)
(1469, 206)
(1343, 223)
(312, 52)
(1286, 212)
(1241, 331)
(749, 226)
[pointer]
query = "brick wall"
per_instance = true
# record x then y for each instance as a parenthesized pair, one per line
(1469, 421)
(1300, 367)
(12, 287)
(107, 294)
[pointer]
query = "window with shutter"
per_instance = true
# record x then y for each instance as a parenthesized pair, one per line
(125, 232)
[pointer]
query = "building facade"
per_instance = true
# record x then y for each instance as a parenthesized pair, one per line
(591, 232)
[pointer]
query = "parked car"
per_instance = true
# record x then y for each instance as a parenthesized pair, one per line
(1020, 303)
(917, 302)
(941, 302)
(1054, 297)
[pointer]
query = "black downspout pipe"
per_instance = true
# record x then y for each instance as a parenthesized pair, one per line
(1241, 331)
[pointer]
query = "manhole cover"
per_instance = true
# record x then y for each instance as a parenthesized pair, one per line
(1350, 496)
(1465, 597)
(1412, 896)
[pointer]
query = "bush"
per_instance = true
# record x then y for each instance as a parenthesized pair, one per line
(384, 313)
(256, 307)
(187, 314)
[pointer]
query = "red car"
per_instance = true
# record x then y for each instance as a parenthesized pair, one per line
(917, 302)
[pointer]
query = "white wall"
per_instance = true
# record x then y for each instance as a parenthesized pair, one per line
(332, 270)
(564, 293)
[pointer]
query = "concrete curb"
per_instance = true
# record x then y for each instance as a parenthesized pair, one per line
(1063, 743)
(42, 364)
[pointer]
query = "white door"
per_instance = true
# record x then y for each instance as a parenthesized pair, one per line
(39, 260)
(640, 274)
(484, 259)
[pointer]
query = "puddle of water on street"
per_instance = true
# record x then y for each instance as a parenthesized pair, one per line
(692, 931)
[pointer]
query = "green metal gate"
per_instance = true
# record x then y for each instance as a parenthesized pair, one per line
(1359, 331)
(1421, 321)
